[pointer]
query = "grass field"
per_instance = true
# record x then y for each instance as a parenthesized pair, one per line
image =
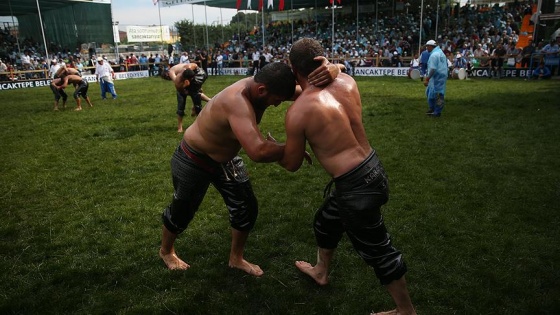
(474, 207)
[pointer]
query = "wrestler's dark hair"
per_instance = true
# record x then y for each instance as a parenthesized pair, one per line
(278, 79)
(188, 74)
(302, 53)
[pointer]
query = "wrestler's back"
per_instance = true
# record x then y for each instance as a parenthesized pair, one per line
(211, 133)
(334, 127)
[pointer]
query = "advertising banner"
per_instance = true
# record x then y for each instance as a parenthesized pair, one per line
(137, 34)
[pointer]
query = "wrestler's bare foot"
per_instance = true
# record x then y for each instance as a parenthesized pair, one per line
(173, 262)
(248, 267)
(78, 109)
(320, 277)
(56, 109)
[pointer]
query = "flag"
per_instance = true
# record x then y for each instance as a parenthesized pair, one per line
(281, 5)
(238, 5)
(270, 5)
(155, 1)
(260, 5)
(249, 5)
(339, 1)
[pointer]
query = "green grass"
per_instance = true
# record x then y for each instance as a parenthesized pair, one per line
(474, 207)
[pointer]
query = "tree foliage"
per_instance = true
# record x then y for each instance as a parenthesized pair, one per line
(196, 36)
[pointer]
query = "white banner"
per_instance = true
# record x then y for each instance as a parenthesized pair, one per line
(91, 78)
(137, 34)
(116, 35)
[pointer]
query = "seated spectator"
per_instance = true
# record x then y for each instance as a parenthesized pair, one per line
(541, 72)
(396, 60)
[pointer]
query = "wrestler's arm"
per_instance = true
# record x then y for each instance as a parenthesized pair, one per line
(64, 83)
(55, 82)
(294, 151)
(325, 73)
(172, 74)
(205, 98)
(243, 123)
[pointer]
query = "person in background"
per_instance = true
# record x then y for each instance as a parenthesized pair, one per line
(184, 58)
(541, 72)
(550, 52)
(526, 53)
(436, 79)
(53, 68)
(105, 76)
(424, 56)
(188, 79)
(497, 62)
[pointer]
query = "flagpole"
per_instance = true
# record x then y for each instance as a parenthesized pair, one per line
(292, 21)
(160, 30)
(206, 25)
(421, 27)
(221, 25)
(437, 17)
(193, 27)
(14, 26)
(332, 40)
(42, 31)
(357, 20)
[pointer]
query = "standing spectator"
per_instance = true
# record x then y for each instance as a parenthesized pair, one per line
(396, 59)
(79, 65)
(526, 54)
(497, 62)
(157, 64)
(203, 60)
(220, 63)
(105, 76)
(184, 58)
(436, 79)
(424, 56)
(169, 49)
(133, 61)
(3, 68)
(53, 68)
(151, 61)
(143, 61)
(550, 52)
(256, 60)
(267, 58)
(26, 60)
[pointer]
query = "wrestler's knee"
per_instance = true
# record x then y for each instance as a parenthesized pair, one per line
(390, 268)
(376, 249)
(177, 216)
(244, 215)
(327, 227)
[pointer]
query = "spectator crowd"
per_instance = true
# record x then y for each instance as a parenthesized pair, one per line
(475, 34)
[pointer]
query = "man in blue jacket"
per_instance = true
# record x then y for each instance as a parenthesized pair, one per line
(435, 79)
